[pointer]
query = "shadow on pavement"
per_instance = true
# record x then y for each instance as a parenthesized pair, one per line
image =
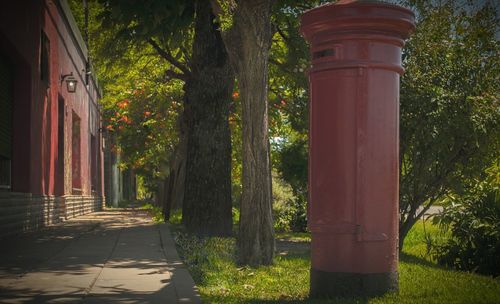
(112, 256)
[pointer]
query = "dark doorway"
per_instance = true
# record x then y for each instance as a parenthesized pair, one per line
(93, 162)
(76, 155)
(61, 113)
(6, 106)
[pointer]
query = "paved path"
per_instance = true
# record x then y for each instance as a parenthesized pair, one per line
(114, 256)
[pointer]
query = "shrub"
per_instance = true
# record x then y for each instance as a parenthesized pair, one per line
(292, 167)
(156, 212)
(175, 217)
(289, 210)
(474, 224)
(291, 217)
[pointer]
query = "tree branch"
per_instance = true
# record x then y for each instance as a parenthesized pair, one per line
(216, 8)
(304, 6)
(281, 66)
(185, 53)
(168, 56)
(172, 74)
(424, 209)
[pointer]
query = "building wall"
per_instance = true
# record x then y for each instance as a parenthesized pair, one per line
(42, 173)
(19, 43)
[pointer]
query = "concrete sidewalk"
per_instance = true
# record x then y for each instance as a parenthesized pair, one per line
(105, 257)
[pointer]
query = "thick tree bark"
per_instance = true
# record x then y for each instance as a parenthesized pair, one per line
(176, 193)
(166, 186)
(248, 43)
(404, 228)
(129, 185)
(173, 187)
(207, 198)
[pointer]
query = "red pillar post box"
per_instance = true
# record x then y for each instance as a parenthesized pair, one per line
(354, 145)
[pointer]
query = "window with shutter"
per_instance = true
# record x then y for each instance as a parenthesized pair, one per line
(44, 59)
(76, 154)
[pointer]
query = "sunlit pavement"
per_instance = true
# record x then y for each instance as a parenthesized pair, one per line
(114, 256)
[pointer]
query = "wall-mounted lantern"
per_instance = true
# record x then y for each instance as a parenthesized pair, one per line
(105, 133)
(71, 82)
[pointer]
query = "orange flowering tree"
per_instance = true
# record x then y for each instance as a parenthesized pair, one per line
(140, 112)
(144, 126)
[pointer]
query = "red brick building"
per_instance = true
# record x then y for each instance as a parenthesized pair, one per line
(51, 156)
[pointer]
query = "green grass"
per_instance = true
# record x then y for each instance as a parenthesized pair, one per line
(156, 212)
(293, 236)
(175, 217)
(220, 280)
(416, 242)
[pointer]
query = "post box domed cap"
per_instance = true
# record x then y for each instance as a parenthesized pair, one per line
(357, 16)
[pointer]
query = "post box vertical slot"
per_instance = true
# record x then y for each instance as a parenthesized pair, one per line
(324, 53)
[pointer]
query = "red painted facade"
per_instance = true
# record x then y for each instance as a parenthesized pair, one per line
(32, 33)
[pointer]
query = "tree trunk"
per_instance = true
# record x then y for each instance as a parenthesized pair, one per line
(173, 187)
(129, 185)
(176, 197)
(404, 228)
(248, 43)
(116, 196)
(207, 198)
(167, 192)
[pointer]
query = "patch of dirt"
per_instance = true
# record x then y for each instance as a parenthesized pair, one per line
(290, 246)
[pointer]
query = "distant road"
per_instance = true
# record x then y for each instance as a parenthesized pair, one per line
(432, 210)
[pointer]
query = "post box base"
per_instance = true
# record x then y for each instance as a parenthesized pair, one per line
(342, 284)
